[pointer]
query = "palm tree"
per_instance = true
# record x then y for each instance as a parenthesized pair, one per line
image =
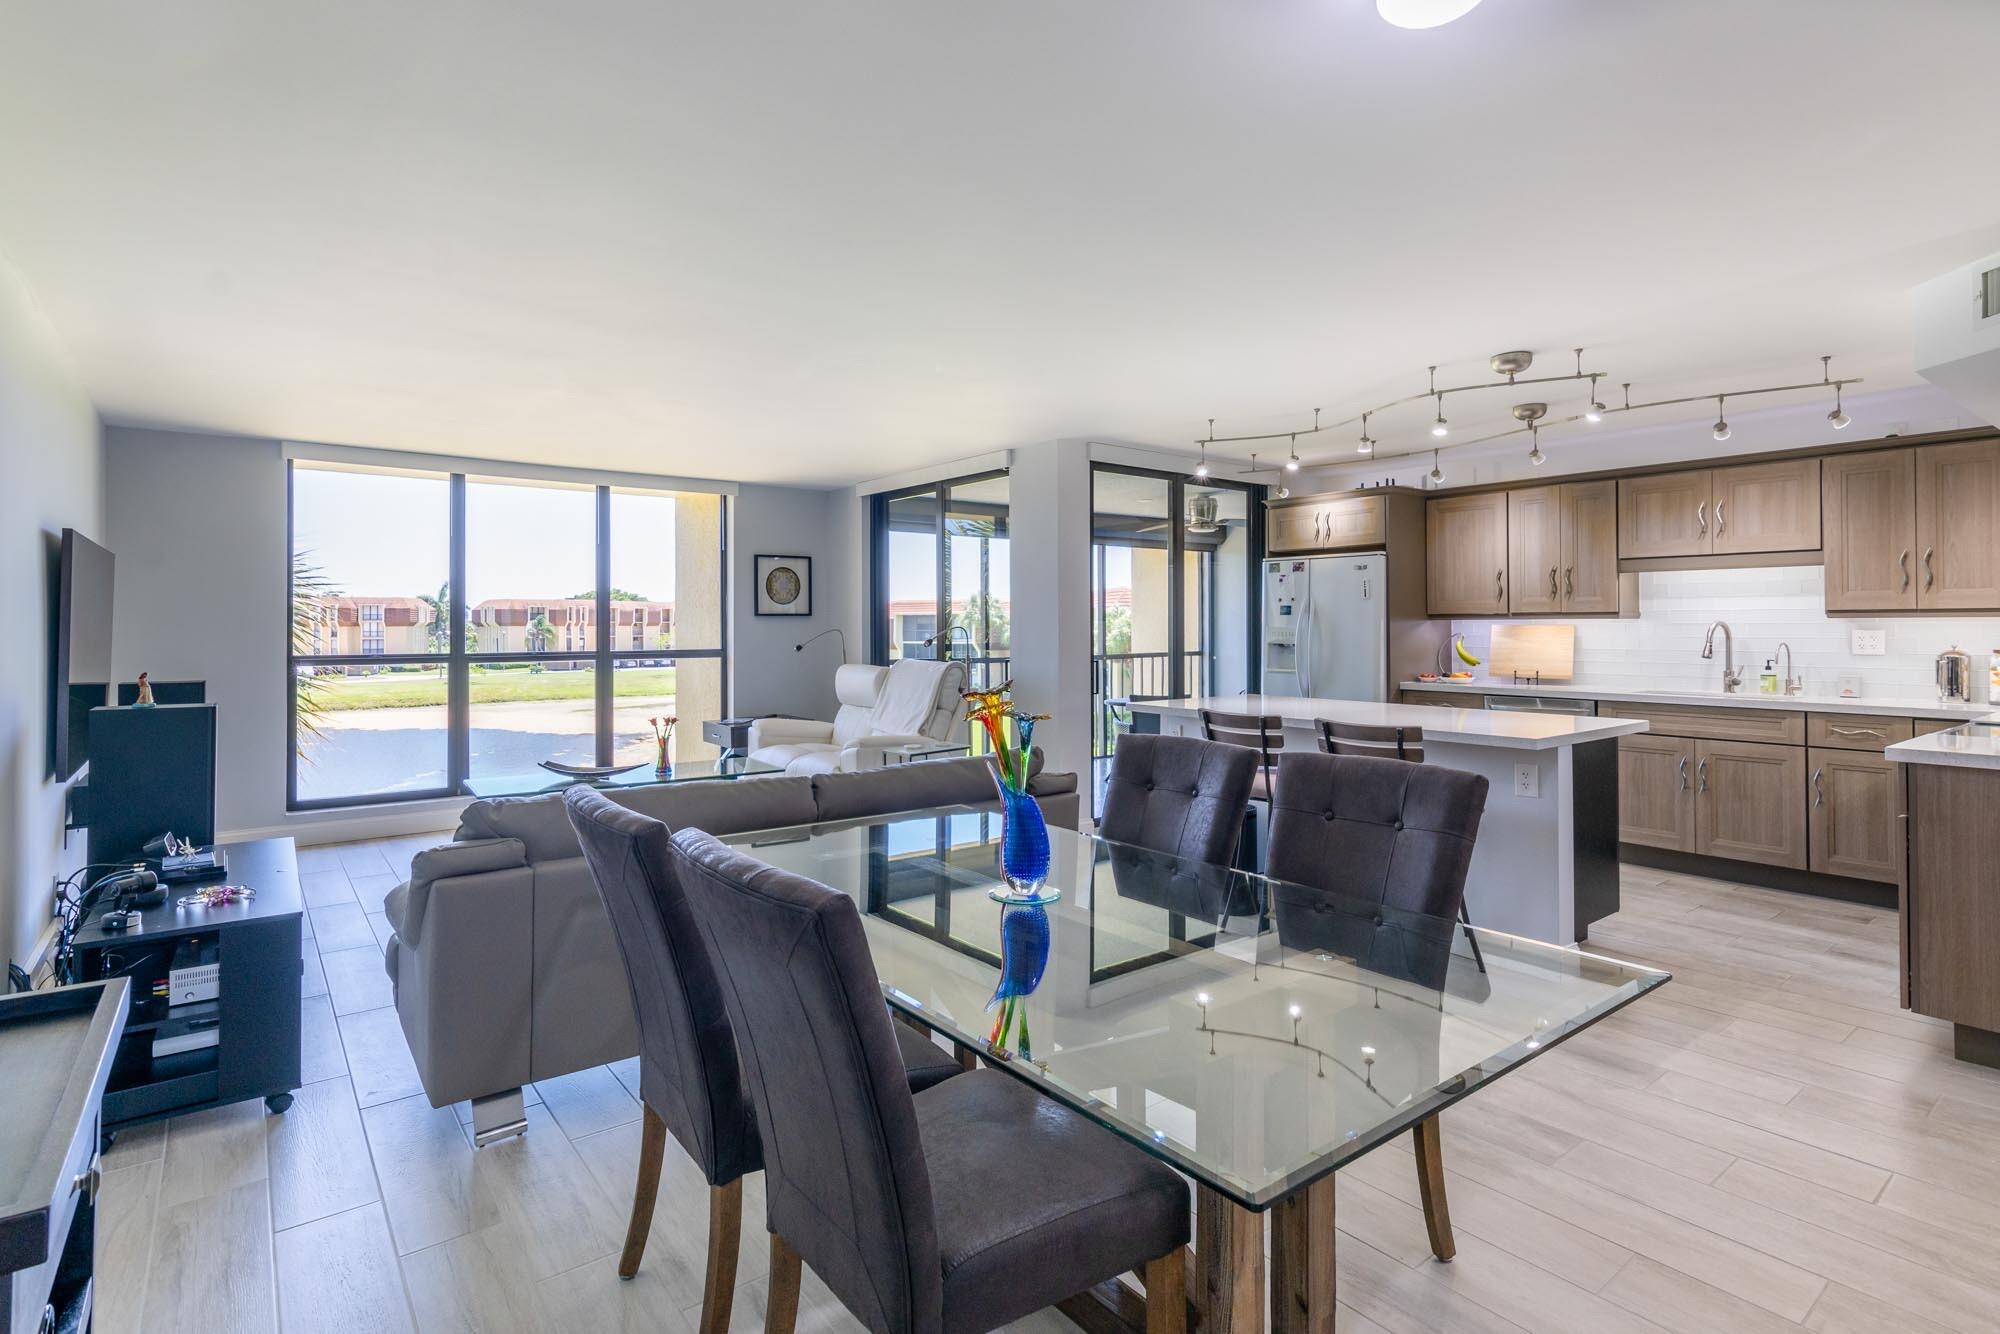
(541, 634)
(312, 599)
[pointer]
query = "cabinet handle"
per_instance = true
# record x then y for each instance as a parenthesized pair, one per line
(1701, 775)
(1819, 788)
(1683, 771)
(1904, 562)
(1855, 731)
(1718, 518)
(1569, 582)
(1500, 587)
(1701, 517)
(1552, 583)
(1930, 576)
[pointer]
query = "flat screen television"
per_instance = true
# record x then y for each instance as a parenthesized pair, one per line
(81, 664)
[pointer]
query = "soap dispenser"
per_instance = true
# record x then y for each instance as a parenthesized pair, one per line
(1767, 684)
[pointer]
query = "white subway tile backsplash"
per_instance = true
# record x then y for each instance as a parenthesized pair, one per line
(1662, 646)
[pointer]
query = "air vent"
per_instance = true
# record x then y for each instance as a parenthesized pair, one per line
(1989, 294)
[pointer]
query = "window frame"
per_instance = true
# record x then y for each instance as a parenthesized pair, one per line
(879, 629)
(458, 663)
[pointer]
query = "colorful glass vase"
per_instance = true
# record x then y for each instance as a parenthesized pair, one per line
(1024, 843)
(1024, 956)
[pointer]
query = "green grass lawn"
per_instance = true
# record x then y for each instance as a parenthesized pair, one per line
(409, 690)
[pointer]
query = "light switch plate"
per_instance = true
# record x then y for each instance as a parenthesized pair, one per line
(1527, 780)
(1870, 643)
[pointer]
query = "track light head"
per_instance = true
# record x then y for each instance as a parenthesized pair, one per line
(1841, 421)
(1594, 413)
(1535, 456)
(1201, 469)
(1292, 463)
(1437, 473)
(1721, 431)
(1284, 493)
(1439, 429)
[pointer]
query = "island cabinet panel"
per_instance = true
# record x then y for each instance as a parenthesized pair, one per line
(1590, 548)
(1952, 907)
(1465, 558)
(1870, 517)
(1958, 526)
(1750, 802)
(1855, 814)
(1534, 549)
(1766, 507)
(1656, 791)
(1665, 514)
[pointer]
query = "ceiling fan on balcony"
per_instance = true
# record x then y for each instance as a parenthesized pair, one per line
(1204, 519)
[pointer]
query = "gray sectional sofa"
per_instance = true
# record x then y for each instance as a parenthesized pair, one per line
(503, 963)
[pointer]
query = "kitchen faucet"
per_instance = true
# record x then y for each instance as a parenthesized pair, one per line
(1793, 685)
(1732, 675)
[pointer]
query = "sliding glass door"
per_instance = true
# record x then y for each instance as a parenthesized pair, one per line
(1173, 591)
(941, 587)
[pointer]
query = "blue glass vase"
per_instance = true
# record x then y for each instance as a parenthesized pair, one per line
(1024, 844)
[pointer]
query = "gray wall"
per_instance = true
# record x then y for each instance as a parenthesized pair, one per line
(201, 528)
(51, 478)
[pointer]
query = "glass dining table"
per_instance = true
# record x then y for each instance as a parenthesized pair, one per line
(1252, 1033)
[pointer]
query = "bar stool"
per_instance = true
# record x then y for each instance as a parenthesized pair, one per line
(1263, 733)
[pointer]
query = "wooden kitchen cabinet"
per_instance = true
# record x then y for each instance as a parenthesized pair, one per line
(1665, 514)
(1656, 791)
(1958, 526)
(1534, 550)
(1765, 507)
(1465, 568)
(1750, 802)
(1590, 548)
(1869, 506)
(1337, 523)
(1855, 813)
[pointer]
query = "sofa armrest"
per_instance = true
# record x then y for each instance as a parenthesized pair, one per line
(465, 987)
(449, 861)
(866, 752)
(788, 731)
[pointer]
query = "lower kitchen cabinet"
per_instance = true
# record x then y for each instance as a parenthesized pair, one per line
(1856, 812)
(1749, 804)
(1656, 791)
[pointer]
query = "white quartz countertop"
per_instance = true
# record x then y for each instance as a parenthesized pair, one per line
(1965, 747)
(1466, 727)
(1909, 707)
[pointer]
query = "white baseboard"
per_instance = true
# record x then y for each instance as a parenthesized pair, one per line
(311, 828)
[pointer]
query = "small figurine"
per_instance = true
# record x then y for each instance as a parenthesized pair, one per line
(145, 700)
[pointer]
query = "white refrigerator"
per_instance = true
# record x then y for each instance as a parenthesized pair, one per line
(1326, 626)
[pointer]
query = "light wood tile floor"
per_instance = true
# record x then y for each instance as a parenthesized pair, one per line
(1767, 1144)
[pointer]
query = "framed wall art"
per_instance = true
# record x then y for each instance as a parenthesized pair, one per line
(784, 585)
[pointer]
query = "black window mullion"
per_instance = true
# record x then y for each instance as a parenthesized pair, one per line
(1176, 626)
(458, 673)
(605, 632)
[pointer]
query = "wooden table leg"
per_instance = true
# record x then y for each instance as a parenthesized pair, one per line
(1229, 1253)
(1302, 1282)
(1430, 1188)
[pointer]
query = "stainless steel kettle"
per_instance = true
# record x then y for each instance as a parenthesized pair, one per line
(1954, 676)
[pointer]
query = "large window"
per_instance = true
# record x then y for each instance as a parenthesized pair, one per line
(588, 611)
(941, 585)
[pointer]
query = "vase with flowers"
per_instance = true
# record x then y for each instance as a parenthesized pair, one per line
(663, 739)
(1024, 835)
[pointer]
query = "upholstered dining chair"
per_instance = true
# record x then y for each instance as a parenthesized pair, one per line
(1179, 795)
(951, 1211)
(690, 1076)
(1389, 743)
(1398, 834)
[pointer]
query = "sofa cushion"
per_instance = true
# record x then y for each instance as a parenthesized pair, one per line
(800, 757)
(405, 903)
(721, 806)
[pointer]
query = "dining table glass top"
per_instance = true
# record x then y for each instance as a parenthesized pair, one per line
(1254, 1033)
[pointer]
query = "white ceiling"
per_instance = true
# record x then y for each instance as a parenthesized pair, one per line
(820, 242)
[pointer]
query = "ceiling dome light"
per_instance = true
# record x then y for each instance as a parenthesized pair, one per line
(1424, 13)
(1721, 431)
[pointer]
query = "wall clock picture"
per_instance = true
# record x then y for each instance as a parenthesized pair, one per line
(784, 586)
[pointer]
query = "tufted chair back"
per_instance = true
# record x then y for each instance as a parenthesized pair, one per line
(1178, 795)
(1385, 831)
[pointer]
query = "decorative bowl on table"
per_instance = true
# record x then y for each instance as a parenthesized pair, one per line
(589, 772)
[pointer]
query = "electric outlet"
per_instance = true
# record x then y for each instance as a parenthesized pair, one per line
(1870, 643)
(1527, 780)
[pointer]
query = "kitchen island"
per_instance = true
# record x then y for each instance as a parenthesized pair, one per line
(1546, 862)
(1950, 914)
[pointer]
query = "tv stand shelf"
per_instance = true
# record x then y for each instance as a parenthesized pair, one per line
(255, 1013)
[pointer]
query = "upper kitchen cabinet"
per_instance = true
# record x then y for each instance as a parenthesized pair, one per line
(1665, 514)
(1562, 549)
(1466, 554)
(1335, 523)
(1958, 526)
(1869, 501)
(1765, 507)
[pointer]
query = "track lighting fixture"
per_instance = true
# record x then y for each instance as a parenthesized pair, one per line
(1364, 445)
(1201, 468)
(1838, 417)
(1437, 473)
(1594, 412)
(1535, 455)
(1721, 431)
(1438, 427)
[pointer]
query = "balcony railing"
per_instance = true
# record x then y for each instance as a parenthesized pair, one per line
(1117, 679)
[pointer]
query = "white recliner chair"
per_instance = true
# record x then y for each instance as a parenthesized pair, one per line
(911, 701)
